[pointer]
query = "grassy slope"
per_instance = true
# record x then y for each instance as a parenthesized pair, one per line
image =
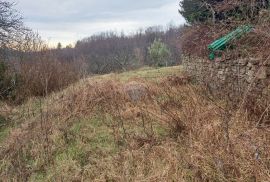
(88, 136)
(92, 131)
(145, 73)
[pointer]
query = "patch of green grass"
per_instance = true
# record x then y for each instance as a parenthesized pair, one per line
(4, 133)
(103, 140)
(2, 120)
(90, 140)
(90, 136)
(97, 123)
(4, 128)
(37, 176)
(160, 130)
(147, 73)
(150, 73)
(75, 152)
(100, 135)
(76, 128)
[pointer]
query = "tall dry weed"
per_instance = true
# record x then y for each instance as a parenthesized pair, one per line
(171, 132)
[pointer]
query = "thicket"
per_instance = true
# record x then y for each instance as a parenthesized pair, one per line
(6, 82)
(27, 67)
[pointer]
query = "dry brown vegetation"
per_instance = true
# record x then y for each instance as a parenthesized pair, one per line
(146, 125)
(196, 38)
(45, 75)
(136, 130)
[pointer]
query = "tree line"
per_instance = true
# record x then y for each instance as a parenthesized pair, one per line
(28, 67)
(110, 51)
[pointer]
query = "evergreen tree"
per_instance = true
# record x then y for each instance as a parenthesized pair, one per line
(159, 53)
(10, 23)
(197, 10)
(59, 45)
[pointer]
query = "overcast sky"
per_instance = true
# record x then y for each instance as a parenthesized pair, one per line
(66, 21)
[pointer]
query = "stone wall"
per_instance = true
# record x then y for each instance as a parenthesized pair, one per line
(235, 74)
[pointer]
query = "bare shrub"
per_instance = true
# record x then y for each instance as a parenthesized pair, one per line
(43, 76)
(7, 83)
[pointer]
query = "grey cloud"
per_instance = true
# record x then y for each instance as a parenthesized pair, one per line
(68, 20)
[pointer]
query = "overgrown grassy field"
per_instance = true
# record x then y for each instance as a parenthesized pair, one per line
(144, 125)
(147, 73)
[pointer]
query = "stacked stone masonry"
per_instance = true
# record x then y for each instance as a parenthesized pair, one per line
(238, 74)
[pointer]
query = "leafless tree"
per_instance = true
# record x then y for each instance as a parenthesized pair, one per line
(11, 24)
(109, 51)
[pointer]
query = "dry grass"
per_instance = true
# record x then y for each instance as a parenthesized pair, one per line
(97, 130)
